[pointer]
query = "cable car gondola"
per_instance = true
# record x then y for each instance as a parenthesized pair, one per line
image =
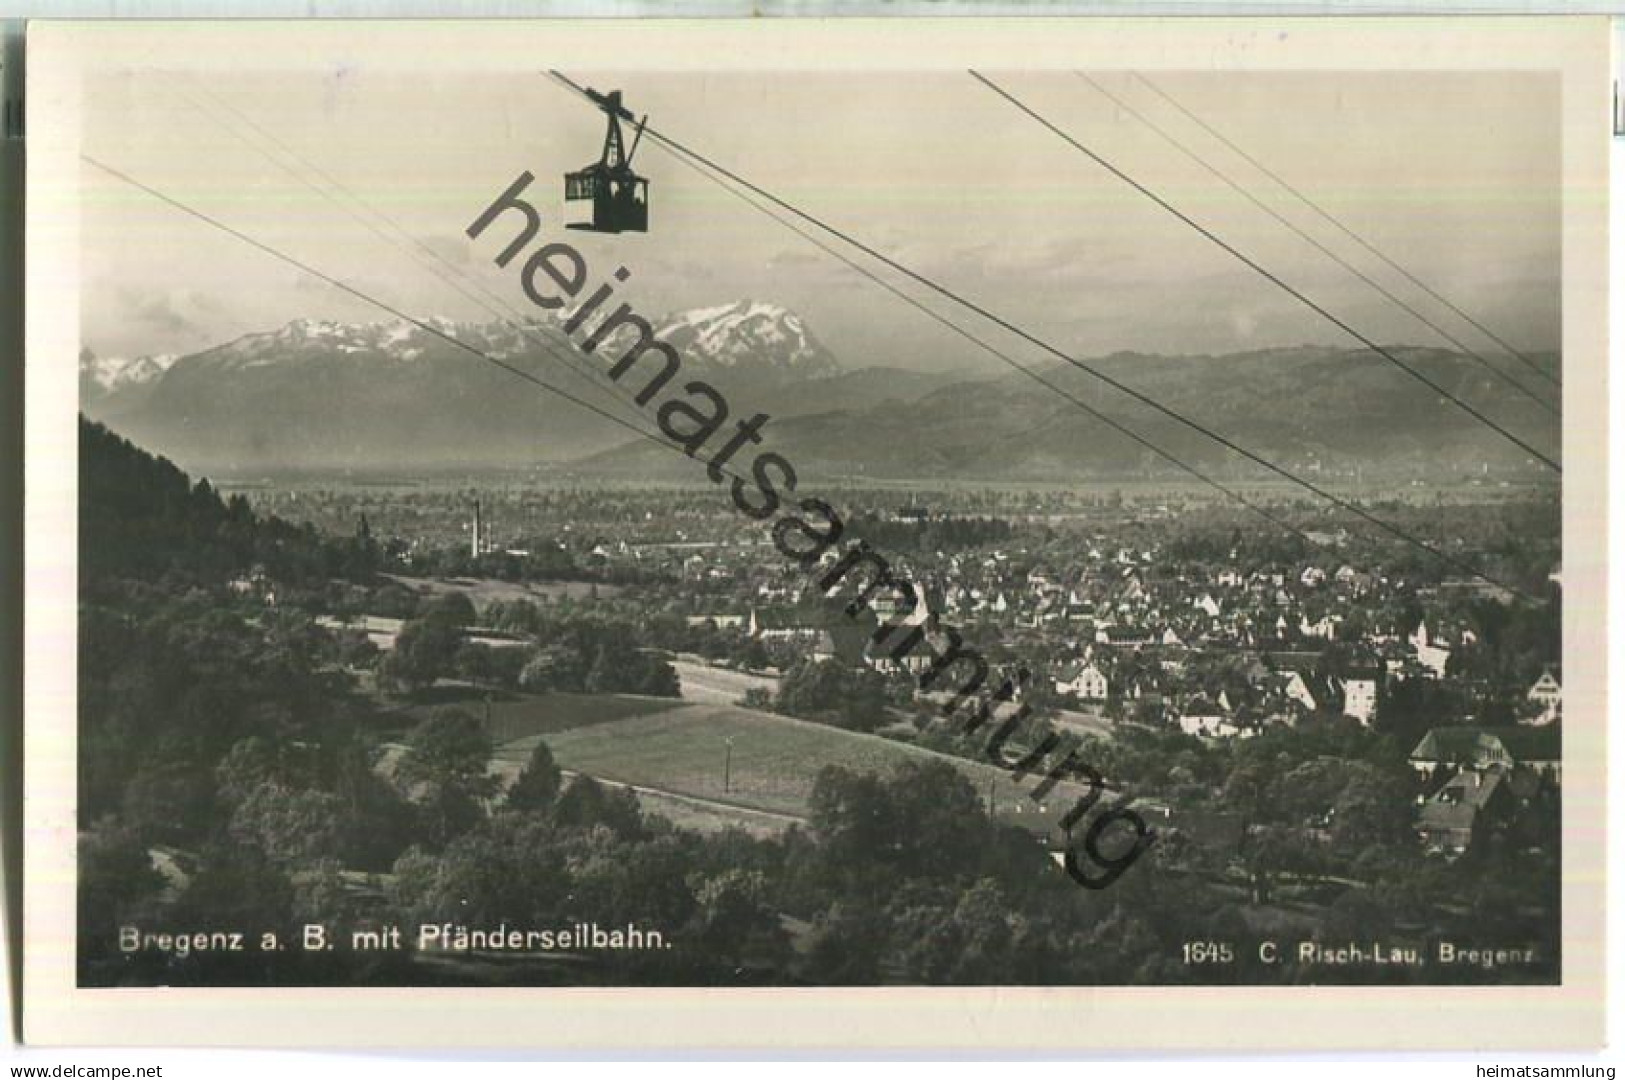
(619, 196)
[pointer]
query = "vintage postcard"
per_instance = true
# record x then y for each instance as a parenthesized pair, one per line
(918, 534)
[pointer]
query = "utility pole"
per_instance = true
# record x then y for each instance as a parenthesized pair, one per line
(727, 763)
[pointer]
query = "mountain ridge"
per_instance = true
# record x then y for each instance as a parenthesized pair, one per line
(316, 394)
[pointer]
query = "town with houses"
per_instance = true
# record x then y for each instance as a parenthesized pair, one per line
(1173, 619)
(1323, 735)
(1120, 636)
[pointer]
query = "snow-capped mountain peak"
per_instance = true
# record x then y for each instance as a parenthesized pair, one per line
(320, 341)
(748, 333)
(749, 337)
(112, 373)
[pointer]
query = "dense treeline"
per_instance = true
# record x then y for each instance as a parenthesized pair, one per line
(931, 533)
(141, 516)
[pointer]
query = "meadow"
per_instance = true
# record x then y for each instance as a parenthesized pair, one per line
(485, 591)
(708, 684)
(512, 716)
(770, 761)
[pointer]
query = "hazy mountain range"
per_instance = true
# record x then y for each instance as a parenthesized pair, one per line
(315, 395)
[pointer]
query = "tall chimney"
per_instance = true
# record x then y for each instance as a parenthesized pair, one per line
(476, 541)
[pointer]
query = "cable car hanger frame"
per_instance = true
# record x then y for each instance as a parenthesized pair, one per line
(619, 196)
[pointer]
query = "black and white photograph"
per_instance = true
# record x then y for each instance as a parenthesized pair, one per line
(988, 524)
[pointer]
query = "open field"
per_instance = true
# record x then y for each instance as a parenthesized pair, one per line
(672, 752)
(380, 630)
(684, 811)
(515, 716)
(1085, 721)
(1081, 721)
(484, 591)
(707, 685)
(775, 760)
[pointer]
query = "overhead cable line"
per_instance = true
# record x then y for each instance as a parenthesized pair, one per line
(1282, 219)
(452, 275)
(1349, 232)
(750, 201)
(1308, 485)
(983, 344)
(388, 308)
(1266, 273)
(828, 249)
(267, 249)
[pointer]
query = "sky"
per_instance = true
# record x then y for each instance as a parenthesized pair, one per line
(1456, 176)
